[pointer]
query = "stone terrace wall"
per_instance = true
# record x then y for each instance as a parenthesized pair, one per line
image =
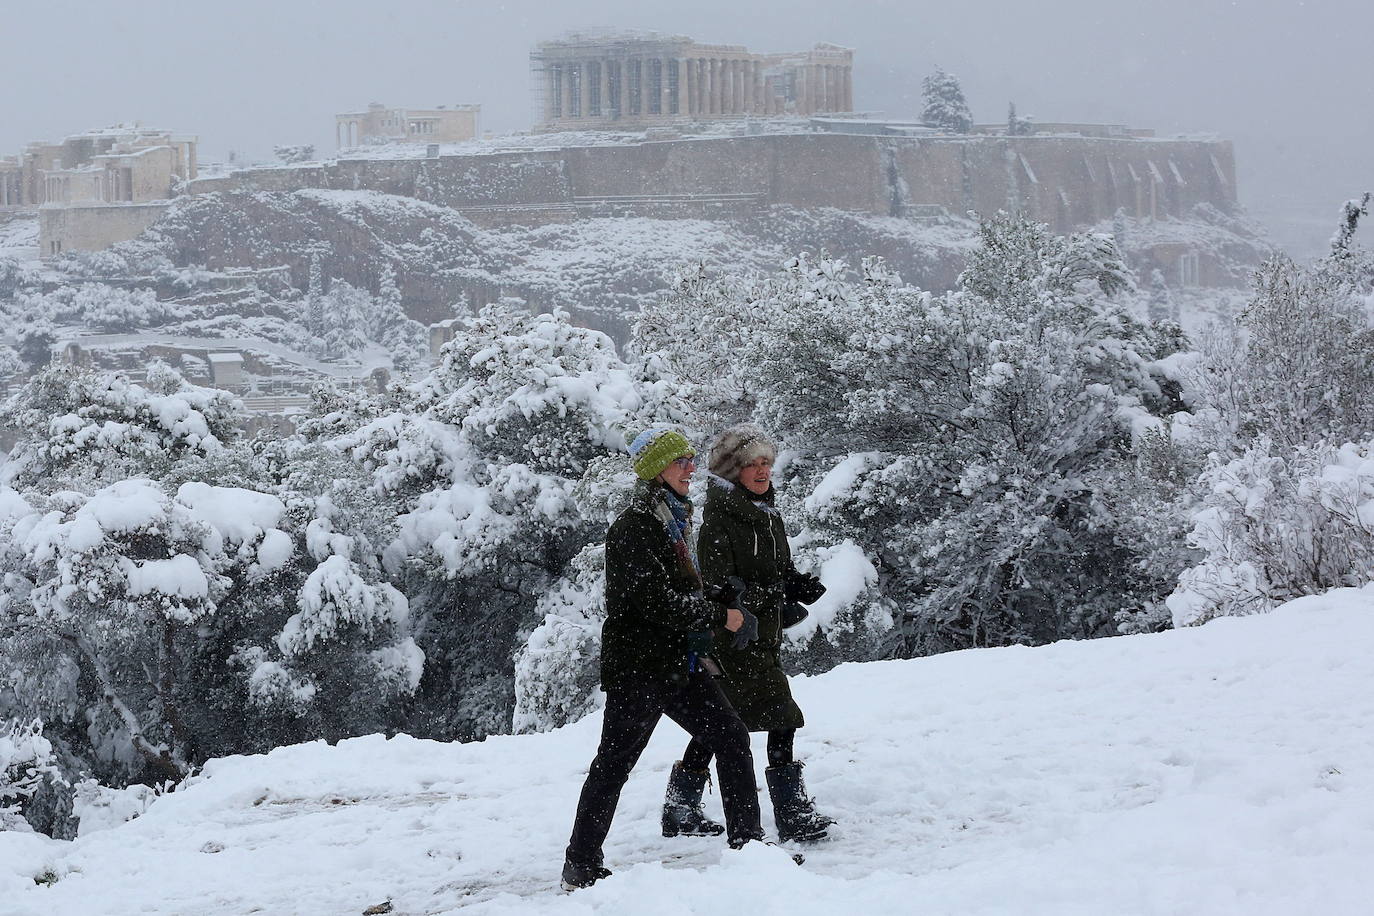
(1064, 181)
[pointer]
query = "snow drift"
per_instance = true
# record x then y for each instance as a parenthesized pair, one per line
(1225, 768)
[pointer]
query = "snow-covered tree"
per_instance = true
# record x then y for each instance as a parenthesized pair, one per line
(1161, 301)
(961, 444)
(945, 106)
(10, 362)
(1018, 126)
(83, 426)
(12, 277)
(152, 625)
(35, 343)
(481, 459)
(387, 323)
(345, 319)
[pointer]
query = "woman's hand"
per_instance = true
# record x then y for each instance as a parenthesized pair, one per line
(734, 619)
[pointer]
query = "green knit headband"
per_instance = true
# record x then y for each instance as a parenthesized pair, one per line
(661, 451)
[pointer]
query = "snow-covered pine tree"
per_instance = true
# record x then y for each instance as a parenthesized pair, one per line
(1161, 300)
(1017, 126)
(346, 309)
(388, 324)
(314, 298)
(945, 106)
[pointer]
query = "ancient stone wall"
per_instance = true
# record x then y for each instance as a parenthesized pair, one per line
(1064, 181)
(94, 227)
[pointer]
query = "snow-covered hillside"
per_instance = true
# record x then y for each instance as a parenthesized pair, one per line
(1221, 769)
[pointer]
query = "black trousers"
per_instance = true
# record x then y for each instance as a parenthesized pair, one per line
(780, 742)
(631, 714)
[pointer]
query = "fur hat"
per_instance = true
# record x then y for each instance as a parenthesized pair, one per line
(654, 449)
(736, 447)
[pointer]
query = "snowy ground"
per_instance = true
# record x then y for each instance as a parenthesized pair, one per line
(1223, 769)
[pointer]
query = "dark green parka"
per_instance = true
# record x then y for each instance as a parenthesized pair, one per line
(652, 600)
(743, 535)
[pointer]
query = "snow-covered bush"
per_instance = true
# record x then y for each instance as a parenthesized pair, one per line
(26, 759)
(1277, 526)
(557, 670)
(1297, 368)
(97, 807)
(291, 154)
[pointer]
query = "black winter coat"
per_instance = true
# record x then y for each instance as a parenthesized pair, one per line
(652, 603)
(743, 535)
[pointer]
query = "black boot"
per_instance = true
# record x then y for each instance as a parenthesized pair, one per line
(682, 814)
(577, 875)
(794, 813)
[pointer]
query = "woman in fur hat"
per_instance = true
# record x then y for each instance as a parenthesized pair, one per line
(743, 538)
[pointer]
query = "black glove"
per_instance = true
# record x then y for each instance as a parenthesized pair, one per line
(803, 587)
(748, 632)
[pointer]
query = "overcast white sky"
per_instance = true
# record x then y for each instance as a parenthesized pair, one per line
(1291, 82)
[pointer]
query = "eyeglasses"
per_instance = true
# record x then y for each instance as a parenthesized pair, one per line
(686, 461)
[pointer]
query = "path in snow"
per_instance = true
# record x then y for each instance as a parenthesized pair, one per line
(1222, 769)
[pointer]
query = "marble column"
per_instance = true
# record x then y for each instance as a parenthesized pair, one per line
(584, 91)
(665, 102)
(715, 84)
(564, 92)
(684, 97)
(749, 87)
(847, 92)
(604, 78)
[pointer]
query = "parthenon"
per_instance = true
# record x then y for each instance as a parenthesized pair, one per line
(625, 79)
